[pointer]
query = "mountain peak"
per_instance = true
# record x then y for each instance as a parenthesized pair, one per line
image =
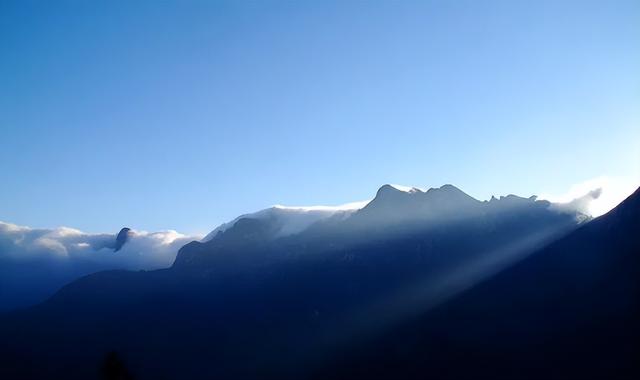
(398, 204)
(449, 187)
(122, 238)
(446, 189)
(386, 190)
(397, 189)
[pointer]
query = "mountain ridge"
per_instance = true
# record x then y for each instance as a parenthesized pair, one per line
(226, 303)
(570, 310)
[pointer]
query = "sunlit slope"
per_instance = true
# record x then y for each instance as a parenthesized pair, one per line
(569, 311)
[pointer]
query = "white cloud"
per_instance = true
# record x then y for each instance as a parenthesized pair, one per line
(143, 250)
(293, 219)
(596, 196)
(344, 207)
(408, 189)
(36, 262)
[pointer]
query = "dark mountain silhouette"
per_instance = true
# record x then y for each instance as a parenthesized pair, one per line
(569, 311)
(121, 238)
(250, 303)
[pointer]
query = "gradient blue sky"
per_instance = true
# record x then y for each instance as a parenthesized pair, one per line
(183, 115)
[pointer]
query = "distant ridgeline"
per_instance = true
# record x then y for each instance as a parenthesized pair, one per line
(437, 216)
(424, 284)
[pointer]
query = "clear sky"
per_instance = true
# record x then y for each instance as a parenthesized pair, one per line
(182, 115)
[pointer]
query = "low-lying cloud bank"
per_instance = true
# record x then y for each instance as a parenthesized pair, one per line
(36, 262)
(142, 250)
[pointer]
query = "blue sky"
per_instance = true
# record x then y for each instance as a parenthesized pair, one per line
(182, 115)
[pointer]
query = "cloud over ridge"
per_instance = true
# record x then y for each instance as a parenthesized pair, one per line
(36, 262)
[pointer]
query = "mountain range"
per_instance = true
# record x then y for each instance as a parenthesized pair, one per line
(422, 284)
(568, 311)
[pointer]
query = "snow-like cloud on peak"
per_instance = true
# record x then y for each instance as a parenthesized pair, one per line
(330, 209)
(580, 204)
(292, 219)
(595, 196)
(407, 189)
